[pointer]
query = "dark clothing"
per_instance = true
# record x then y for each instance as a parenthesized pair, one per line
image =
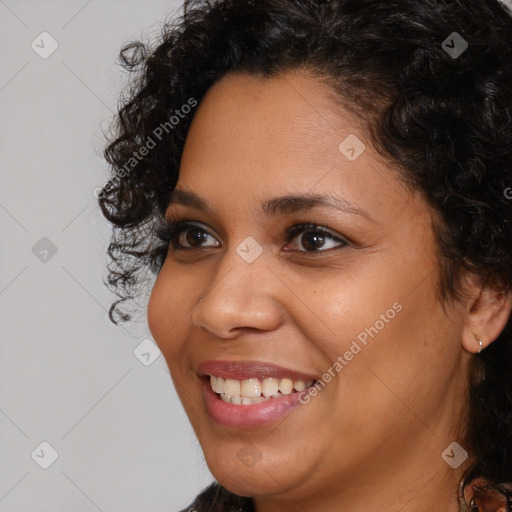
(217, 499)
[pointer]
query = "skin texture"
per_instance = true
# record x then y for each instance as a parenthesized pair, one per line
(372, 438)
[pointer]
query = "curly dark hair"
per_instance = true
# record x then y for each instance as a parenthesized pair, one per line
(442, 121)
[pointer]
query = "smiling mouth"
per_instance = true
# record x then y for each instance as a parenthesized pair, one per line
(254, 391)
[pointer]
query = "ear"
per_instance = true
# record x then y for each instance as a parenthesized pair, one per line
(487, 313)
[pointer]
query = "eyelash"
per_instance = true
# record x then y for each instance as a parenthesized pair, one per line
(170, 231)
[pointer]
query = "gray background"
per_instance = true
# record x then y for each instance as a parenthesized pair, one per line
(68, 377)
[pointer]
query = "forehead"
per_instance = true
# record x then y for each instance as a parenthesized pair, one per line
(256, 137)
(284, 114)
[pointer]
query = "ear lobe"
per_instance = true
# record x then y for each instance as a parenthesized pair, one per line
(487, 315)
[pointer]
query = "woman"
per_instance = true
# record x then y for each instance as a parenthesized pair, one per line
(323, 190)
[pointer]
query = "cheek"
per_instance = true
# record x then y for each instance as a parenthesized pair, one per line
(376, 330)
(166, 315)
(155, 310)
(345, 310)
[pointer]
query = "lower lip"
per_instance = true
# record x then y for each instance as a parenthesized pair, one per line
(248, 416)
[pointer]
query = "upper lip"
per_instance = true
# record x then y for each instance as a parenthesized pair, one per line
(241, 370)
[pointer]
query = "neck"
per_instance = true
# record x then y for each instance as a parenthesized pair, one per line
(429, 491)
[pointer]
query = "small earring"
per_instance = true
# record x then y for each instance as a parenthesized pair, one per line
(480, 343)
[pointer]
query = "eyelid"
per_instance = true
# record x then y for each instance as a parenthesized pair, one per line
(176, 220)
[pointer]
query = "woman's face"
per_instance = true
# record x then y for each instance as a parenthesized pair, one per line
(354, 308)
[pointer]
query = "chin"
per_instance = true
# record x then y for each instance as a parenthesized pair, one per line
(252, 482)
(243, 470)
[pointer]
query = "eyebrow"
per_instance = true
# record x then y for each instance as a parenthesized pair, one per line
(277, 205)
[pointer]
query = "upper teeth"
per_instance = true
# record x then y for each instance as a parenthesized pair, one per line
(250, 388)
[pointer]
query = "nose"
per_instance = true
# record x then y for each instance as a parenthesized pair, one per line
(241, 296)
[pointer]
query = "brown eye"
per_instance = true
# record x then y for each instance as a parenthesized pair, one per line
(313, 238)
(187, 235)
(193, 236)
